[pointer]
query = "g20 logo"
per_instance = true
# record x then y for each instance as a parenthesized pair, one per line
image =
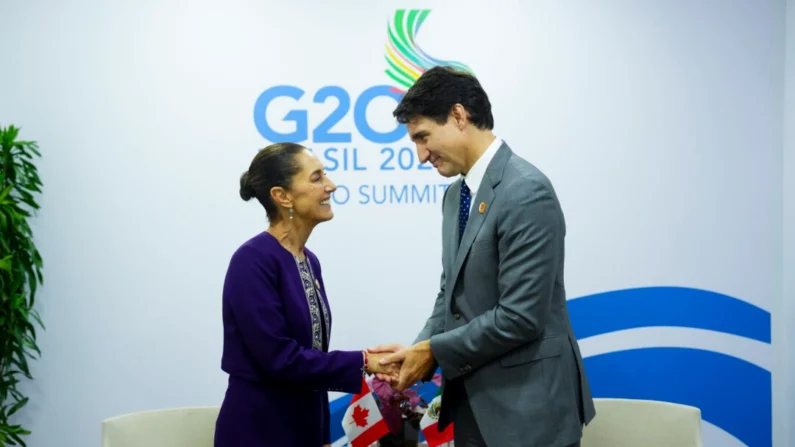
(321, 132)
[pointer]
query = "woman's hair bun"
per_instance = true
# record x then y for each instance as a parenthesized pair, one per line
(246, 191)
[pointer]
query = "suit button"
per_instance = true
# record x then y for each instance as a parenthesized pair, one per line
(456, 316)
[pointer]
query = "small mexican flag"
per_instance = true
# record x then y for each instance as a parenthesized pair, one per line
(429, 424)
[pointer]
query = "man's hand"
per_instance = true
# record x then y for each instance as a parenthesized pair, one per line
(381, 369)
(416, 362)
(388, 348)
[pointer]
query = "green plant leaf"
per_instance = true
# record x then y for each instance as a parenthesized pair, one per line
(20, 275)
(14, 408)
(5, 193)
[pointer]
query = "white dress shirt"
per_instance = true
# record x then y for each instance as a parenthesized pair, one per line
(475, 175)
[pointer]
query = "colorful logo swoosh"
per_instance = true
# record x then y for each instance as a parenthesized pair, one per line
(406, 60)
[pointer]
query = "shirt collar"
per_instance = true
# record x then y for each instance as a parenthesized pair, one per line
(475, 175)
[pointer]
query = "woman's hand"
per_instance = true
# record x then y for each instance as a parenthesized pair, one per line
(388, 372)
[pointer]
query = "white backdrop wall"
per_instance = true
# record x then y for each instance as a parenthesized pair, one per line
(659, 123)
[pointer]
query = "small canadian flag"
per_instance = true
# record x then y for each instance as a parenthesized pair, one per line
(363, 423)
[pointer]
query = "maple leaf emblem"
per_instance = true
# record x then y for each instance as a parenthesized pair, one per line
(360, 416)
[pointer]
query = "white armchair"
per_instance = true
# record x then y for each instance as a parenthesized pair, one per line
(174, 427)
(633, 423)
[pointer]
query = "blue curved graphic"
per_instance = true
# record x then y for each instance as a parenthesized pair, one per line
(667, 306)
(733, 394)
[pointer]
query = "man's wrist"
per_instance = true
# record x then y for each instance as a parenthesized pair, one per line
(424, 346)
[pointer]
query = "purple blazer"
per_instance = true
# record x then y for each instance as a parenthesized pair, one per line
(278, 382)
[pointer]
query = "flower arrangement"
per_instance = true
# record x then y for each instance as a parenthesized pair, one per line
(399, 407)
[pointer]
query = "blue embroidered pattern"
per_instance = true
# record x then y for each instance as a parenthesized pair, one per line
(316, 303)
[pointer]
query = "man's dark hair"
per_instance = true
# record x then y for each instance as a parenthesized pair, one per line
(438, 90)
(275, 165)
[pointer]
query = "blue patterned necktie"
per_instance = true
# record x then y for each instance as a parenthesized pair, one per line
(463, 211)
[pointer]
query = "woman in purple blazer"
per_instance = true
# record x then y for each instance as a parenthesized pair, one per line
(276, 317)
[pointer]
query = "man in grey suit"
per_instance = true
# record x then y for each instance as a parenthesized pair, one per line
(500, 330)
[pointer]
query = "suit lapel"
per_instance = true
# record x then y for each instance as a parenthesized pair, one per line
(475, 220)
(450, 234)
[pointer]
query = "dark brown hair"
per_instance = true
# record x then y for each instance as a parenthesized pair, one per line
(274, 165)
(438, 90)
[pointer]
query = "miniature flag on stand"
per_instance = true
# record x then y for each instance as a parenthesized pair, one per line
(429, 424)
(363, 423)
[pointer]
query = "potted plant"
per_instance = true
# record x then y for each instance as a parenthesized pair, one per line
(402, 412)
(20, 274)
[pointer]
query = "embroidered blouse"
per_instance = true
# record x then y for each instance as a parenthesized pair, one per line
(318, 312)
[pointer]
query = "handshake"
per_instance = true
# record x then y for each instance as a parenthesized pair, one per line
(401, 366)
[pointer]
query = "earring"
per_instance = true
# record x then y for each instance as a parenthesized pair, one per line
(291, 213)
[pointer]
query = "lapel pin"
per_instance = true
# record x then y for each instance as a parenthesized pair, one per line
(482, 207)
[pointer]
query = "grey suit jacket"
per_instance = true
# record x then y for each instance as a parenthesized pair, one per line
(500, 326)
